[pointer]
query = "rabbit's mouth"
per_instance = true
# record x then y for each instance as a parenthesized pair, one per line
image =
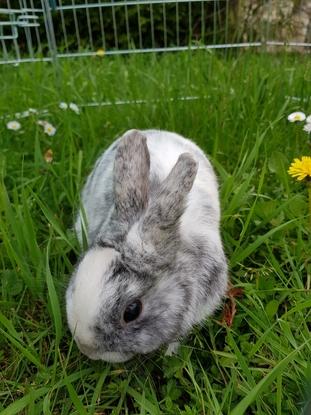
(95, 354)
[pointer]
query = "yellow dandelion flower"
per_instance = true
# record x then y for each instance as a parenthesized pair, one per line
(100, 52)
(301, 169)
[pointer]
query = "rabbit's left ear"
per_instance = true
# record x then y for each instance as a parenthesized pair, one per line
(169, 203)
(131, 176)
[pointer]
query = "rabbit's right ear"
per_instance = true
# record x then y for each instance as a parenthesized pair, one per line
(131, 176)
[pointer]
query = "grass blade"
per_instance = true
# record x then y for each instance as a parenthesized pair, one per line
(266, 381)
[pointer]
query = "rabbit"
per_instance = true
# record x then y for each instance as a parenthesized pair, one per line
(155, 266)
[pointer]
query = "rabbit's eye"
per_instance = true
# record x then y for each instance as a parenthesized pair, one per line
(132, 311)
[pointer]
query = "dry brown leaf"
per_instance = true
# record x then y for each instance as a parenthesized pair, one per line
(48, 156)
(230, 306)
(234, 292)
(229, 312)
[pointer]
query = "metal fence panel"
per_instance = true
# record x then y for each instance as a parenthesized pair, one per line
(32, 30)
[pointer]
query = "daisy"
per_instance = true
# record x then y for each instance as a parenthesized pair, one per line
(307, 128)
(13, 125)
(32, 111)
(74, 107)
(296, 116)
(308, 119)
(301, 169)
(63, 106)
(49, 129)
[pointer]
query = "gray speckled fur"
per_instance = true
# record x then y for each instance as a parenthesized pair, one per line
(160, 213)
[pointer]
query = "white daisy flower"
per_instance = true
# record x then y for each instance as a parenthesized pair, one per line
(25, 114)
(308, 119)
(13, 125)
(63, 105)
(49, 129)
(74, 107)
(296, 116)
(32, 111)
(307, 128)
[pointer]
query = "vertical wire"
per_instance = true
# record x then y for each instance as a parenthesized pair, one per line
(177, 24)
(152, 26)
(214, 22)
(139, 27)
(37, 31)
(49, 27)
(202, 23)
(76, 24)
(63, 26)
(268, 25)
(190, 22)
(250, 36)
(23, 4)
(227, 21)
(164, 25)
(16, 45)
(88, 20)
(4, 49)
(116, 42)
(219, 18)
(102, 28)
(127, 27)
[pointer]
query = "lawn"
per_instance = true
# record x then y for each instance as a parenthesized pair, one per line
(254, 362)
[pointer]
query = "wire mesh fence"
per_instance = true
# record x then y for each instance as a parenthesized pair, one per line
(32, 30)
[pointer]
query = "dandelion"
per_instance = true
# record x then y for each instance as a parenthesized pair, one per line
(100, 52)
(307, 128)
(63, 106)
(296, 116)
(74, 107)
(301, 170)
(13, 125)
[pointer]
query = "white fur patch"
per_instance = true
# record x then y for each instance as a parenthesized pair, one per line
(84, 298)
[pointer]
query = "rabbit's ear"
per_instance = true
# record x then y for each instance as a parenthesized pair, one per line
(131, 176)
(169, 202)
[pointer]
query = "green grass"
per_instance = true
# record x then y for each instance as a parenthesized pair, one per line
(260, 364)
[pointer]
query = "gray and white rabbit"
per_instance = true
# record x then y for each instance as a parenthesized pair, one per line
(155, 266)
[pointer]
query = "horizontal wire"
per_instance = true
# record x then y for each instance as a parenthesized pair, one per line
(121, 102)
